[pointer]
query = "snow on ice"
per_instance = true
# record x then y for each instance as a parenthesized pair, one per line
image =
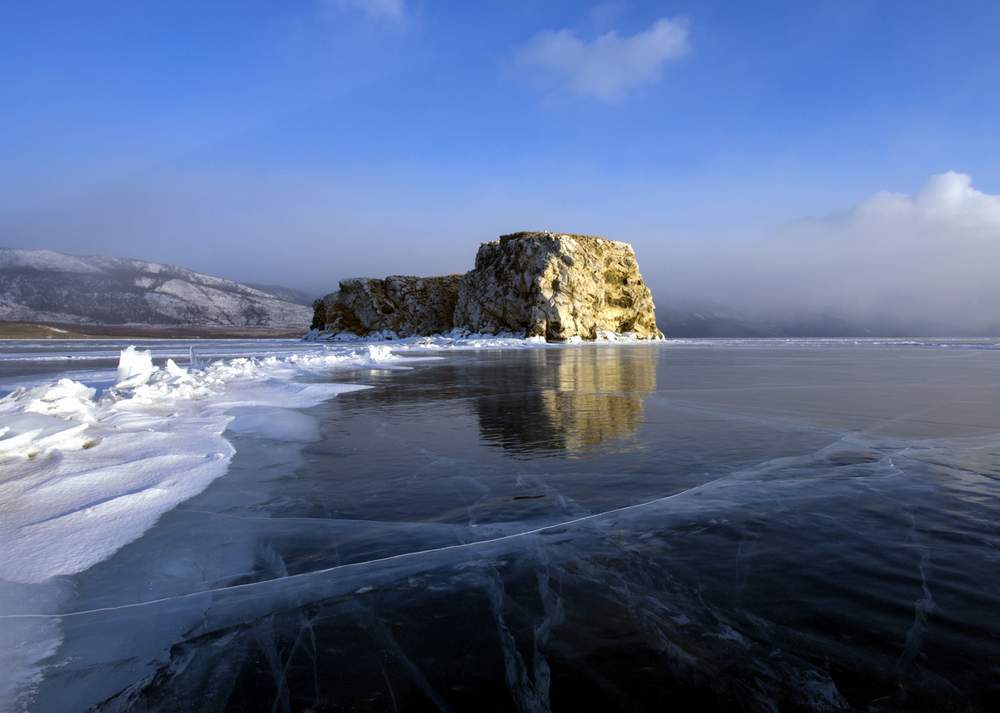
(82, 475)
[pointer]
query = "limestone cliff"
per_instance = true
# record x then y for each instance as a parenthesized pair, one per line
(556, 286)
(539, 284)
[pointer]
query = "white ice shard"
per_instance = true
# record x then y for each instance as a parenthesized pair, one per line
(134, 367)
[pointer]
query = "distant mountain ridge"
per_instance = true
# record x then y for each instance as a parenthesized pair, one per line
(48, 286)
(289, 294)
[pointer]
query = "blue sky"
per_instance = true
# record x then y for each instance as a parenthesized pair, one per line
(304, 141)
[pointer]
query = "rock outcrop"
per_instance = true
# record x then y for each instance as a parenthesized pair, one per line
(556, 286)
(553, 285)
(402, 304)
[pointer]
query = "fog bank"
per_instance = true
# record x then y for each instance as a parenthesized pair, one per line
(927, 259)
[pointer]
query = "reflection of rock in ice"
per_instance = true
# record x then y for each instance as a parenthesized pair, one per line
(597, 398)
(569, 399)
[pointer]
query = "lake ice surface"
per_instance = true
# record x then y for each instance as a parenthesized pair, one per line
(701, 524)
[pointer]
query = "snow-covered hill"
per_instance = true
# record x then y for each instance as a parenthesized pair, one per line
(46, 286)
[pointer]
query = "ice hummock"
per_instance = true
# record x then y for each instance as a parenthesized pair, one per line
(82, 474)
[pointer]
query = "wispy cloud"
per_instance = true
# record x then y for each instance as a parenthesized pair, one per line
(608, 67)
(390, 11)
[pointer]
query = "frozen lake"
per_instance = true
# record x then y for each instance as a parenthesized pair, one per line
(697, 525)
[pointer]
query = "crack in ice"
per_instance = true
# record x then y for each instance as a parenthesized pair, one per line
(375, 561)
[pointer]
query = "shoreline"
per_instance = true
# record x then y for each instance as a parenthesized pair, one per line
(33, 331)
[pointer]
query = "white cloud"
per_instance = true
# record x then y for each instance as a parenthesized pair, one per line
(608, 67)
(392, 11)
(929, 258)
(947, 201)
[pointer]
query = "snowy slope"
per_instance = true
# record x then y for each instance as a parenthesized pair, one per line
(46, 286)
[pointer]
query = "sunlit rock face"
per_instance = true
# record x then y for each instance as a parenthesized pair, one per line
(556, 286)
(401, 304)
(551, 285)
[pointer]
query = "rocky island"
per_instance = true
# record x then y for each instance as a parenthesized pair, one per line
(553, 285)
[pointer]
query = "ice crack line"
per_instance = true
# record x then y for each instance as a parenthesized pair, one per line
(366, 563)
(922, 607)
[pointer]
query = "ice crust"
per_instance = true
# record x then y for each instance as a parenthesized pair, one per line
(653, 563)
(464, 339)
(84, 471)
(81, 475)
